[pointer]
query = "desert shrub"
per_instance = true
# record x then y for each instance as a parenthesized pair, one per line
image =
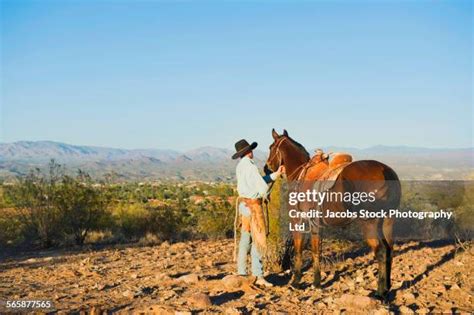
(52, 207)
(215, 219)
(464, 214)
(131, 220)
(101, 236)
(135, 220)
(33, 197)
(82, 207)
(11, 228)
(165, 222)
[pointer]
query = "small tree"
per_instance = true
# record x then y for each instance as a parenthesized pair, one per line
(34, 197)
(82, 206)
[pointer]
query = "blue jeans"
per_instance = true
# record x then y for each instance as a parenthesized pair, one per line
(245, 246)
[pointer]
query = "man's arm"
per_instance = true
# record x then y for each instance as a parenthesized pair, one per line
(271, 177)
(261, 183)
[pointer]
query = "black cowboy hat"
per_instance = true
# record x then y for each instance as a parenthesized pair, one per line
(243, 147)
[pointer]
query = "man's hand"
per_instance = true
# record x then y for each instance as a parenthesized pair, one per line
(281, 170)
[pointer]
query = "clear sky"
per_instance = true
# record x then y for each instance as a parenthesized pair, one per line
(185, 74)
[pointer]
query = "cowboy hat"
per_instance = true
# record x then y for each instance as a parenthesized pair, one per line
(243, 147)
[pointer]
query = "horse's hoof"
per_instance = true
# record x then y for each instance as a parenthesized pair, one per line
(383, 297)
(295, 284)
(316, 283)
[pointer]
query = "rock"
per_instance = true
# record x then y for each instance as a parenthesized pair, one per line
(405, 310)
(95, 310)
(145, 291)
(397, 284)
(364, 292)
(210, 263)
(409, 297)
(190, 278)
(183, 313)
(127, 293)
(200, 300)
(381, 311)
(232, 311)
(357, 300)
(232, 281)
(168, 294)
(350, 284)
(162, 276)
(440, 289)
(454, 287)
(321, 306)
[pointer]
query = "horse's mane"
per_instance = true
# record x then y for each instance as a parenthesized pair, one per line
(299, 145)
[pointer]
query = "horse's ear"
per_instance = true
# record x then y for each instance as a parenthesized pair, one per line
(285, 133)
(275, 134)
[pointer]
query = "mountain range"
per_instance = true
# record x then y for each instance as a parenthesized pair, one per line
(212, 163)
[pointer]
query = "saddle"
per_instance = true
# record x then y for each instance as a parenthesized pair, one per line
(325, 179)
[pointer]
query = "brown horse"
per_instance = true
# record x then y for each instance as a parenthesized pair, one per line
(359, 176)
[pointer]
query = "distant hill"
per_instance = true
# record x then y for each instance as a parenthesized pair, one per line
(211, 163)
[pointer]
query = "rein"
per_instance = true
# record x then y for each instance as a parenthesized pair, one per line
(278, 155)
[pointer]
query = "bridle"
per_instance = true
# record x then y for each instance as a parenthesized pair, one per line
(278, 155)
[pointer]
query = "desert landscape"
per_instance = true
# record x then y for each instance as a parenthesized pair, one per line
(198, 277)
(136, 135)
(118, 246)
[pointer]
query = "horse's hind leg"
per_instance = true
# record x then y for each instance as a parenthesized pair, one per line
(381, 249)
(316, 251)
(388, 241)
(298, 260)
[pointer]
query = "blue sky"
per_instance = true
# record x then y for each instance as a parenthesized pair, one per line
(184, 74)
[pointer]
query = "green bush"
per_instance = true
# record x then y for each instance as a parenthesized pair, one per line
(134, 221)
(34, 198)
(215, 220)
(53, 207)
(82, 207)
(11, 228)
(131, 220)
(57, 208)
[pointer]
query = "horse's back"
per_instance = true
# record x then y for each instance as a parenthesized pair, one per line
(370, 170)
(373, 176)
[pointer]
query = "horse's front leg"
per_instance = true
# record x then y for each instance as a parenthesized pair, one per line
(298, 260)
(316, 251)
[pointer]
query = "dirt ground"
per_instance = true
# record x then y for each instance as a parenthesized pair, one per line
(197, 276)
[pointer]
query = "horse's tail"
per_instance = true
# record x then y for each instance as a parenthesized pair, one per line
(393, 202)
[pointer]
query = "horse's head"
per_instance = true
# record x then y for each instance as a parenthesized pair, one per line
(284, 150)
(275, 158)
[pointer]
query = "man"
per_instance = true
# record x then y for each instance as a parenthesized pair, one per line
(252, 187)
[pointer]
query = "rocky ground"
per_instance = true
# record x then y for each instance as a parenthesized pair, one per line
(196, 276)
